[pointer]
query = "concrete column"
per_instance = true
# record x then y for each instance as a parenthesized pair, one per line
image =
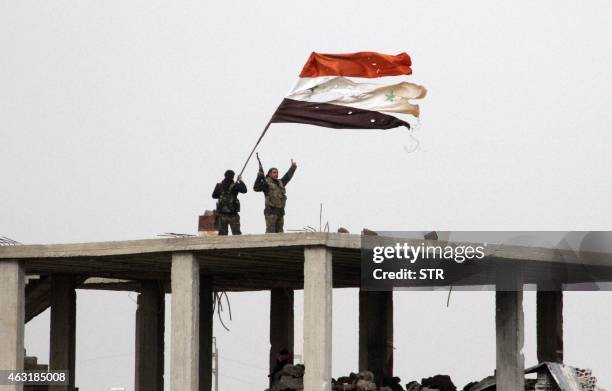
(317, 318)
(206, 333)
(550, 326)
(376, 333)
(185, 326)
(12, 316)
(281, 323)
(149, 373)
(509, 323)
(63, 328)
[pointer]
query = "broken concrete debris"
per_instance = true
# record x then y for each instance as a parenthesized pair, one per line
(365, 381)
(550, 377)
(439, 382)
(553, 376)
(291, 378)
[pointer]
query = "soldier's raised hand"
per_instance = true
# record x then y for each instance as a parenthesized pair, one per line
(293, 164)
(239, 179)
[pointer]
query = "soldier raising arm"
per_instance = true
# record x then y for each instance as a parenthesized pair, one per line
(275, 195)
(289, 174)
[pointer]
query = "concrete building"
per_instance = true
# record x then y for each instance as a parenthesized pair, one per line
(192, 268)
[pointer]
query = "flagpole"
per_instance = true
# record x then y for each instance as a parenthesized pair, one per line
(256, 144)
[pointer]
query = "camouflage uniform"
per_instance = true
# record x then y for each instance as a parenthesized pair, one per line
(228, 205)
(231, 220)
(276, 198)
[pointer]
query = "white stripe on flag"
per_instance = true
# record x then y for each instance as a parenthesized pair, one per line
(394, 98)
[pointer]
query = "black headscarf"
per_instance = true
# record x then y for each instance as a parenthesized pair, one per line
(227, 180)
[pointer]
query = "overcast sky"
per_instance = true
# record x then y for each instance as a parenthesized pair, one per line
(117, 118)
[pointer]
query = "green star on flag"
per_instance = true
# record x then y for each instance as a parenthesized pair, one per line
(390, 96)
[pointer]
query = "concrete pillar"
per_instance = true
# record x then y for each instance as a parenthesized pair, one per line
(63, 328)
(510, 332)
(12, 316)
(281, 323)
(317, 318)
(206, 333)
(550, 326)
(185, 326)
(376, 333)
(149, 360)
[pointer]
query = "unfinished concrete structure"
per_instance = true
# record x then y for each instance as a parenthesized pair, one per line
(191, 269)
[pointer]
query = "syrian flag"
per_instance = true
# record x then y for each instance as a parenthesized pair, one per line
(325, 96)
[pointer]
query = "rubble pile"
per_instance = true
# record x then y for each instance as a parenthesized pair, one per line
(488, 384)
(364, 381)
(290, 378)
(434, 383)
(551, 376)
(543, 383)
(413, 386)
(439, 382)
(586, 380)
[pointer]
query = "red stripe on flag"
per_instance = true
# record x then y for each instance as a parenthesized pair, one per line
(362, 64)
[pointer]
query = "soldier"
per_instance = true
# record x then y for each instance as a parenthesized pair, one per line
(228, 205)
(274, 190)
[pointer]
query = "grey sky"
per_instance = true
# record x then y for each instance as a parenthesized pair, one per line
(117, 118)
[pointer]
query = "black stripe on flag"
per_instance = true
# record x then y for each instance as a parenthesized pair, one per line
(333, 116)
